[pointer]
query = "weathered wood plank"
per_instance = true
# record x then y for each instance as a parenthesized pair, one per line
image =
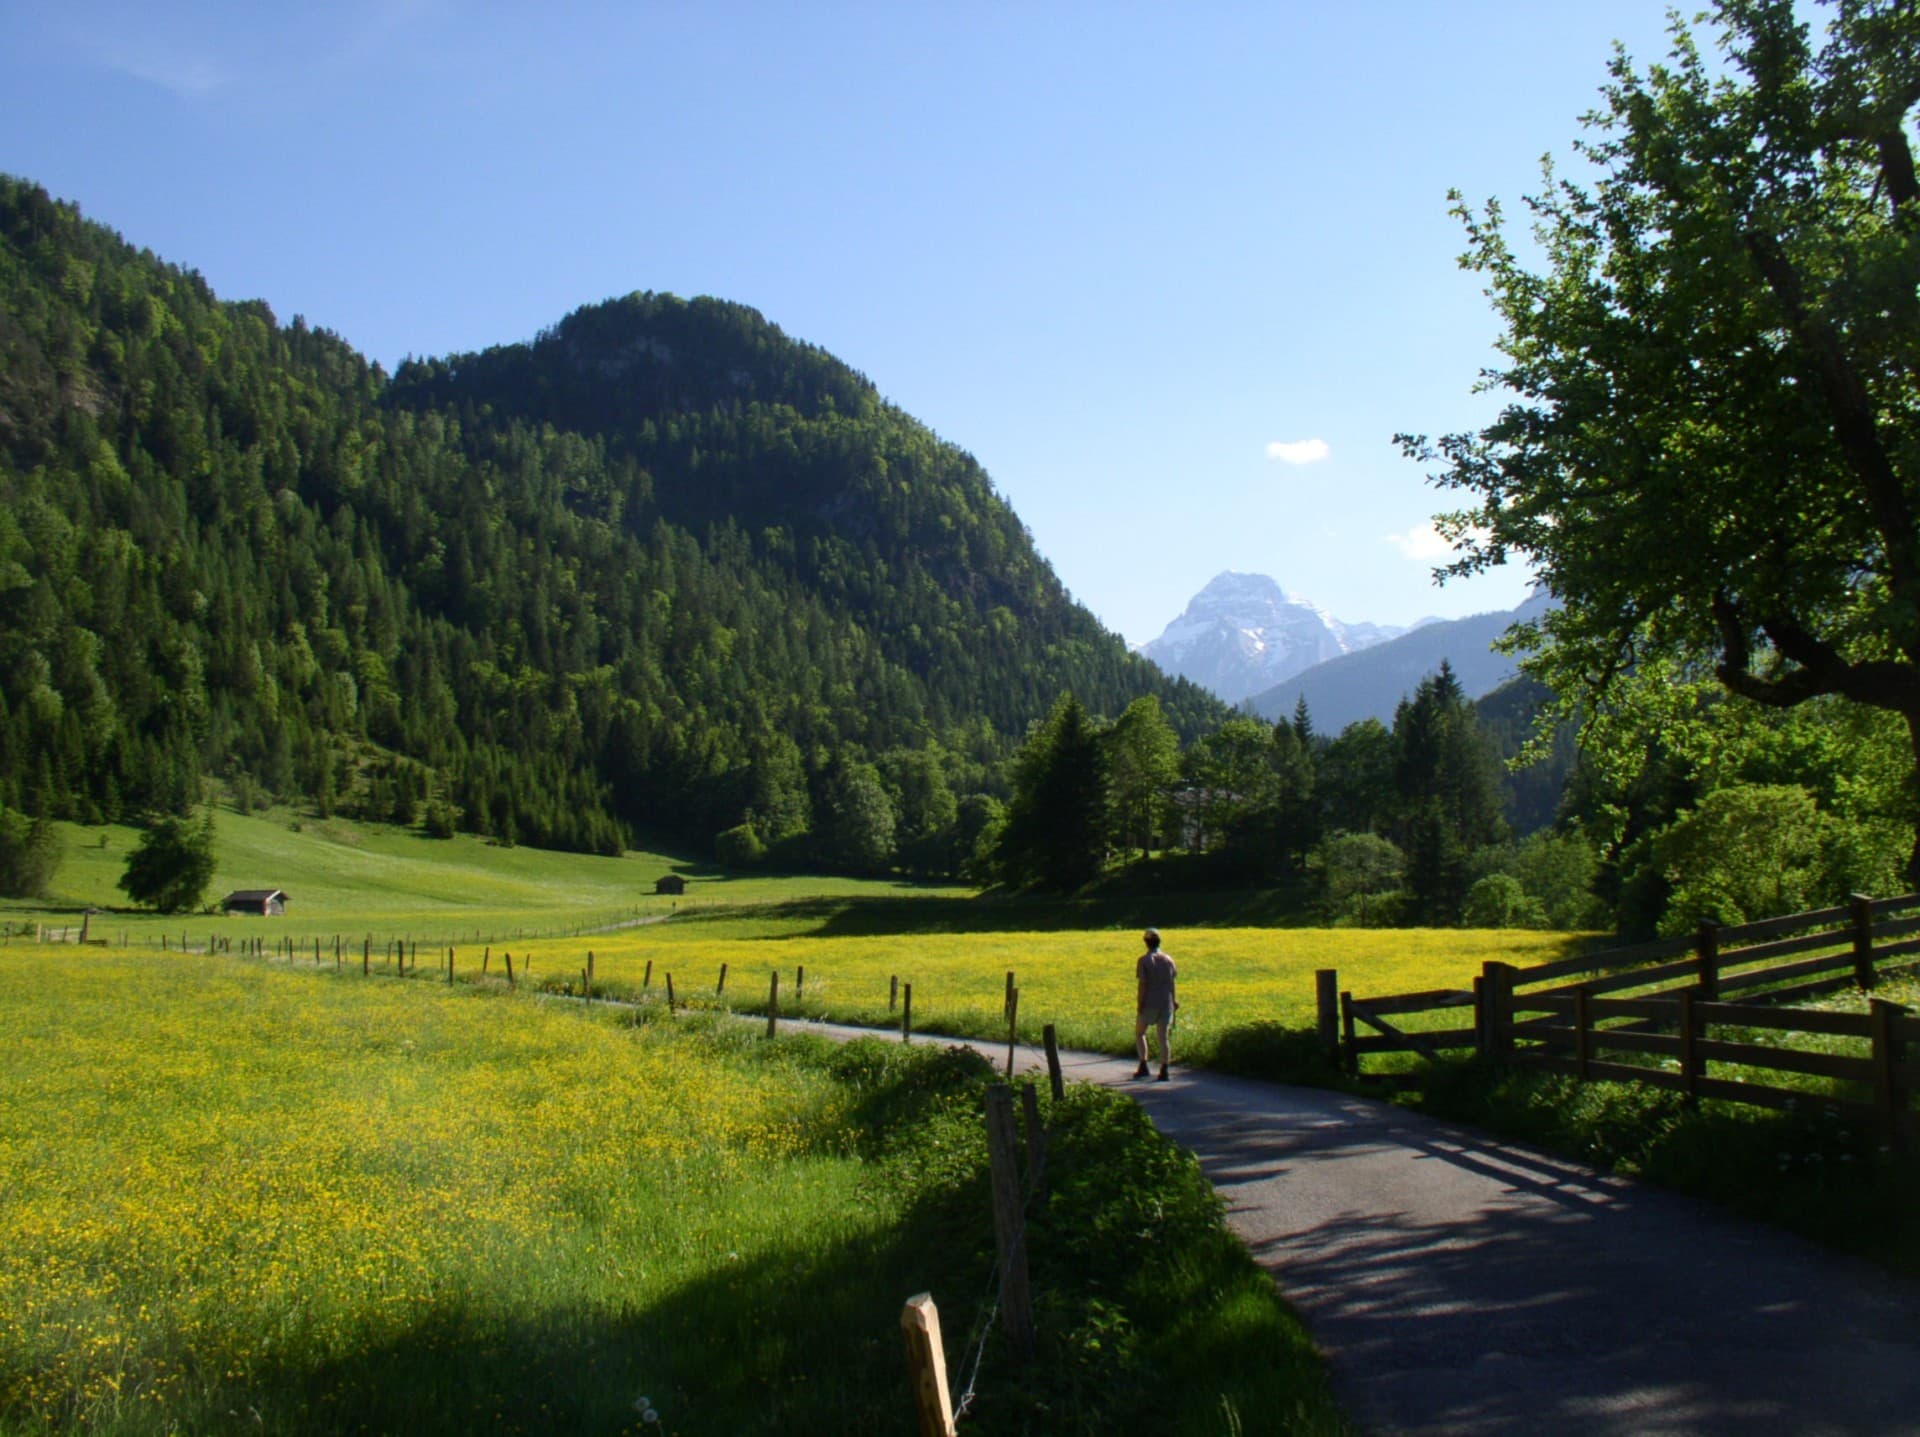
(1416, 1002)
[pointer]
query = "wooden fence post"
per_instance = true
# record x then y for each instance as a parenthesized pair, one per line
(893, 992)
(646, 983)
(773, 1005)
(1013, 1026)
(669, 993)
(1006, 1007)
(927, 1367)
(1689, 1045)
(1500, 1008)
(1582, 1030)
(800, 983)
(1887, 1094)
(1051, 1040)
(906, 1014)
(1706, 948)
(509, 961)
(722, 987)
(1346, 1028)
(1009, 1222)
(1482, 1034)
(1036, 1137)
(1326, 985)
(1862, 939)
(449, 967)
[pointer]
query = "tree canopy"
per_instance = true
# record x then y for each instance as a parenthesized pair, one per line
(1711, 444)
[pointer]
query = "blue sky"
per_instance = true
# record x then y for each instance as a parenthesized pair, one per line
(1135, 258)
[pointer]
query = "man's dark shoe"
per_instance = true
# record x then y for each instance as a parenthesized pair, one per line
(1162, 1078)
(1141, 1071)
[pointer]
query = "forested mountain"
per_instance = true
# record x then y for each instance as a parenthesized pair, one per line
(663, 568)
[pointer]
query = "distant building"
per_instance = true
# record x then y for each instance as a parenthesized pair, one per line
(673, 883)
(267, 902)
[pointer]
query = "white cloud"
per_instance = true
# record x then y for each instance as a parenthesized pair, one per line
(1298, 451)
(185, 75)
(1422, 543)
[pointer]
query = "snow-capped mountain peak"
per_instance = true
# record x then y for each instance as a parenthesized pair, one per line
(1243, 633)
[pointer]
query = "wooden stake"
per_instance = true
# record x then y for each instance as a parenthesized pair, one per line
(509, 960)
(1862, 939)
(1013, 1027)
(893, 993)
(1326, 986)
(647, 982)
(906, 1014)
(927, 1367)
(722, 986)
(799, 982)
(1009, 1222)
(669, 992)
(1051, 1040)
(773, 1006)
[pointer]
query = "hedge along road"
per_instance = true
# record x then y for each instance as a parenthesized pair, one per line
(1459, 1284)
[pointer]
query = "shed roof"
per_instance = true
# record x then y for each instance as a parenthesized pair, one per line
(254, 895)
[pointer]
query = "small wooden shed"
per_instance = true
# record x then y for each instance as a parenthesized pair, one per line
(266, 902)
(673, 883)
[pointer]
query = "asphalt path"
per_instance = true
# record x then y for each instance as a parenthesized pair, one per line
(1460, 1284)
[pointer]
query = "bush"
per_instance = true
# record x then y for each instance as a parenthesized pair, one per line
(29, 855)
(1498, 901)
(740, 847)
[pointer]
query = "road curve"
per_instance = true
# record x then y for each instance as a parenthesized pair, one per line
(1458, 1284)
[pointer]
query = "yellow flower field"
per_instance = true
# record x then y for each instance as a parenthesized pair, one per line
(1081, 982)
(233, 1189)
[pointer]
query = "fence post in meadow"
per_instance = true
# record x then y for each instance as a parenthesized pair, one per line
(366, 956)
(509, 961)
(589, 974)
(1326, 985)
(1009, 1221)
(1007, 1006)
(773, 1005)
(799, 982)
(646, 983)
(893, 992)
(1582, 1030)
(1862, 907)
(1888, 1096)
(721, 987)
(927, 1367)
(1036, 1137)
(449, 967)
(906, 1013)
(1706, 948)
(486, 960)
(1689, 1046)
(1013, 1026)
(669, 993)
(1350, 1055)
(1051, 1040)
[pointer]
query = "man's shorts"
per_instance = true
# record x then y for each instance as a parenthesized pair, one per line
(1153, 1017)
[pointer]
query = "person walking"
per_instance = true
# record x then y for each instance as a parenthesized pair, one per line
(1154, 1002)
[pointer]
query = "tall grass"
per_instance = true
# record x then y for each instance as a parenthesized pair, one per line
(240, 1196)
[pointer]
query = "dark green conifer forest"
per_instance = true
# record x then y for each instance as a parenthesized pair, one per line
(662, 570)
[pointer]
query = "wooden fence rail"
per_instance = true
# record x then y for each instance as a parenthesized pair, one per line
(1659, 999)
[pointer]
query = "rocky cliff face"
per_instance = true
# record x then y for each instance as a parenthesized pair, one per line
(1243, 634)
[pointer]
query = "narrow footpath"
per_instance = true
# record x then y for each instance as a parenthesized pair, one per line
(1459, 1284)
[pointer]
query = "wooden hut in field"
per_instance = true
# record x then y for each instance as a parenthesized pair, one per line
(673, 884)
(263, 902)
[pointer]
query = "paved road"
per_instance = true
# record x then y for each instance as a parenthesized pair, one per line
(1458, 1284)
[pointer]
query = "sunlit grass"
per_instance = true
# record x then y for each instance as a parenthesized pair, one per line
(1083, 983)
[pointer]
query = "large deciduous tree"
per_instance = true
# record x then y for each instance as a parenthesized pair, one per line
(1711, 447)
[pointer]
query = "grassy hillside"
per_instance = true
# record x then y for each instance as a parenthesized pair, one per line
(355, 879)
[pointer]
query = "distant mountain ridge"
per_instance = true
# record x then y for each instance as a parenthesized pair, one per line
(1243, 633)
(1371, 683)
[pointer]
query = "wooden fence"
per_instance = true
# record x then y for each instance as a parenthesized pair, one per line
(1665, 1000)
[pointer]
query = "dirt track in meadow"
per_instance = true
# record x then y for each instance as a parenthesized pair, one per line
(1459, 1284)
